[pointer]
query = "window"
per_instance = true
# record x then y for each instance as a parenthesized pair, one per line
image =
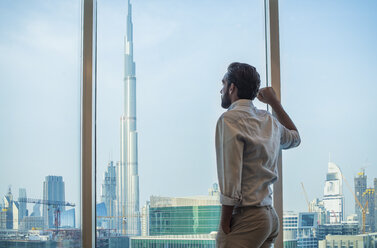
(328, 58)
(181, 50)
(40, 127)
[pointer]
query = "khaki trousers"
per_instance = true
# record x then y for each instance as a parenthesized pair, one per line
(250, 227)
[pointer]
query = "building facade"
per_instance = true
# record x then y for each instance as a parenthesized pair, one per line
(184, 216)
(366, 197)
(10, 212)
(176, 241)
(68, 218)
(306, 232)
(22, 205)
(290, 228)
(360, 182)
(349, 241)
(337, 229)
(108, 193)
(318, 207)
(333, 198)
(53, 190)
(368, 200)
(145, 220)
(32, 223)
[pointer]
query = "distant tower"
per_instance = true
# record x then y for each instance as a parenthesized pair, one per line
(360, 187)
(364, 195)
(145, 220)
(108, 191)
(375, 203)
(53, 190)
(214, 190)
(22, 210)
(127, 172)
(7, 215)
(36, 210)
(368, 196)
(333, 199)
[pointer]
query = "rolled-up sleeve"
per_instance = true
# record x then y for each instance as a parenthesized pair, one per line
(229, 150)
(289, 138)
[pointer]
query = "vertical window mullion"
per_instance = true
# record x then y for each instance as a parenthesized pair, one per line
(87, 124)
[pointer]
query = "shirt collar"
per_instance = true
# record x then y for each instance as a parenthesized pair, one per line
(241, 102)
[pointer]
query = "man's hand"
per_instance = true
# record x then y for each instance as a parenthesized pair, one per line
(225, 226)
(226, 216)
(267, 95)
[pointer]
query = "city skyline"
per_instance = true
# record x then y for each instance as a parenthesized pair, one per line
(176, 40)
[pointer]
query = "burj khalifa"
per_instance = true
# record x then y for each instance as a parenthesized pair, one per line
(128, 213)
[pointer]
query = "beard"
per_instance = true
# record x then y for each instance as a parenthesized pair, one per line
(225, 100)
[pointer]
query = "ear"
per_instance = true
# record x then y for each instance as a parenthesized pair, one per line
(232, 88)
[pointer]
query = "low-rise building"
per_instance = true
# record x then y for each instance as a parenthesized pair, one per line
(349, 241)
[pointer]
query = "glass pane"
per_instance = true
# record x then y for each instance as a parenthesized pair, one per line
(328, 59)
(157, 117)
(40, 128)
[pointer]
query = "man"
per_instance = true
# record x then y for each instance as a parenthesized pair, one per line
(248, 142)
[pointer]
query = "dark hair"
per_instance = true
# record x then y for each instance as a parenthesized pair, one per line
(246, 78)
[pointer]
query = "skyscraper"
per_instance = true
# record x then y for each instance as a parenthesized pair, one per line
(127, 172)
(366, 197)
(180, 221)
(108, 192)
(23, 210)
(360, 187)
(333, 198)
(53, 190)
(184, 215)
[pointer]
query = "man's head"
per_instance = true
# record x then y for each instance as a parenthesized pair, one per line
(241, 81)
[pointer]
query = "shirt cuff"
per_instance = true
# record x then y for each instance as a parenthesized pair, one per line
(228, 201)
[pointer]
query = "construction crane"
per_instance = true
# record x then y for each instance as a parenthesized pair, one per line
(55, 204)
(306, 196)
(363, 209)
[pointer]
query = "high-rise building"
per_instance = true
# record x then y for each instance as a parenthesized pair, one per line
(108, 193)
(36, 210)
(22, 210)
(15, 214)
(128, 212)
(175, 241)
(375, 203)
(367, 198)
(290, 228)
(68, 218)
(145, 220)
(6, 216)
(53, 190)
(3, 219)
(306, 233)
(214, 190)
(180, 221)
(318, 207)
(368, 202)
(333, 198)
(360, 187)
(184, 215)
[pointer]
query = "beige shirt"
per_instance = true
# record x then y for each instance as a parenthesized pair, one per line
(248, 142)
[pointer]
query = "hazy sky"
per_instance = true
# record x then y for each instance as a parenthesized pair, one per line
(182, 49)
